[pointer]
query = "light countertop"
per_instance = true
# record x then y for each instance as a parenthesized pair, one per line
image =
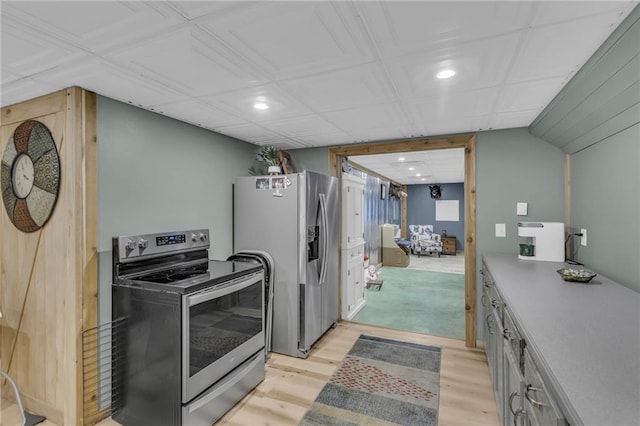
(585, 337)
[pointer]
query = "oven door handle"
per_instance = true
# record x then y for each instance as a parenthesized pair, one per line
(214, 293)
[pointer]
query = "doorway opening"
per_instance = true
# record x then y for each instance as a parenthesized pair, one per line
(337, 154)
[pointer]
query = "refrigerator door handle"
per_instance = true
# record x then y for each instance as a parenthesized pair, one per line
(325, 237)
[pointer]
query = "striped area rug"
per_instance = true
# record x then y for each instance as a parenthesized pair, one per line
(381, 382)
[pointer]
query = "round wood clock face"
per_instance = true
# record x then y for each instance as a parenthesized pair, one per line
(30, 176)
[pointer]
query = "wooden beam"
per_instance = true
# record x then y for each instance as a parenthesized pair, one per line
(470, 242)
(89, 397)
(404, 145)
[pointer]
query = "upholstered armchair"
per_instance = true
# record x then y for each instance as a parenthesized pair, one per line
(424, 241)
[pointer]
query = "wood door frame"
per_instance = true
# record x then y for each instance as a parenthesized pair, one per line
(466, 141)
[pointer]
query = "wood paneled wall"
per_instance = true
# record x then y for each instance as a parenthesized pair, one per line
(602, 99)
(48, 278)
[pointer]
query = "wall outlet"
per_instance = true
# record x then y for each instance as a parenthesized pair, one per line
(521, 209)
(583, 239)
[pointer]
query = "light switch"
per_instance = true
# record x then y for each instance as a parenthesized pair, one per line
(501, 230)
(521, 209)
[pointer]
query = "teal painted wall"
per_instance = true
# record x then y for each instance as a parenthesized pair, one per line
(513, 165)
(159, 174)
(421, 209)
(311, 159)
(605, 194)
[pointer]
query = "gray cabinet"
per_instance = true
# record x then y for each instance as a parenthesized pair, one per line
(522, 397)
(493, 328)
(514, 412)
(541, 407)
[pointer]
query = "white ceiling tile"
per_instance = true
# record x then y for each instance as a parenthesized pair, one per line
(249, 132)
(461, 125)
(383, 133)
(19, 90)
(441, 166)
(408, 27)
(9, 77)
(528, 96)
(507, 120)
(557, 50)
(187, 60)
(241, 102)
(551, 12)
(26, 53)
(107, 80)
(94, 25)
(326, 139)
(430, 111)
(293, 38)
(360, 85)
(301, 126)
(196, 9)
(198, 113)
(367, 117)
(477, 65)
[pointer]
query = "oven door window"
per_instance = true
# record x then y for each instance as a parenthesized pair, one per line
(220, 325)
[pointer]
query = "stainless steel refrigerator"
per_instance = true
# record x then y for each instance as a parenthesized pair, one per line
(295, 219)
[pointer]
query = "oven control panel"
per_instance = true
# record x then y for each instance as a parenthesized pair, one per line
(136, 247)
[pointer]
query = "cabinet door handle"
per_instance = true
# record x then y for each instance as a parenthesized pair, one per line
(494, 303)
(516, 415)
(506, 333)
(521, 412)
(513, 395)
(483, 299)
(489, 319)
(530, 399)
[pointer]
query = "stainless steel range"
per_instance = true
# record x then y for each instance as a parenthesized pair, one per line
(195, 336)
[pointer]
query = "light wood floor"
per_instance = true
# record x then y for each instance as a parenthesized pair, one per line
(291, 384)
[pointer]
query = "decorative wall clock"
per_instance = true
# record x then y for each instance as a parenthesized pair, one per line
(30, 176)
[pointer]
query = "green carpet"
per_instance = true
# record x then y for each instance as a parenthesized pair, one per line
(414, 300)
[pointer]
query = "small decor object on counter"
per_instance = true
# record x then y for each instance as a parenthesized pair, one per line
(576, 275)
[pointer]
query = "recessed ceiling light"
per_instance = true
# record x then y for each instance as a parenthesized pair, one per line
(401, 159)
(260, 105)
(418, 174)
(445, 74)
(423, 179)
(412, 168)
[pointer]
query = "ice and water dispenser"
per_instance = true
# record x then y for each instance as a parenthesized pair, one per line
(541, 241)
